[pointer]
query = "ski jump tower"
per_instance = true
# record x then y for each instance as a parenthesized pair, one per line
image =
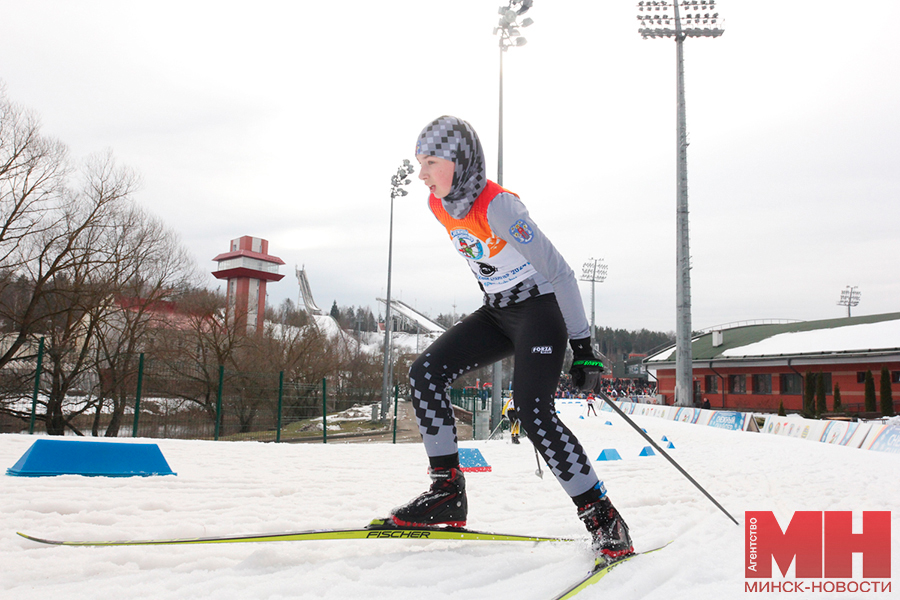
(247, 267)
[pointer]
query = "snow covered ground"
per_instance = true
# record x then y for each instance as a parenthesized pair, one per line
(246, 487)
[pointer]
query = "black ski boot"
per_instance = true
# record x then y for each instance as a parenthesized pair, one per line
(611, 540)
(443, 504)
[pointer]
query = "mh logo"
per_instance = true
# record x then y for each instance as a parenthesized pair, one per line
(821, 544)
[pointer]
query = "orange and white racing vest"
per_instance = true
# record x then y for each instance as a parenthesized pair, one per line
(497, 265)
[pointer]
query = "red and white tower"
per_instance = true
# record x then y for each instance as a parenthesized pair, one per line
(247, 268)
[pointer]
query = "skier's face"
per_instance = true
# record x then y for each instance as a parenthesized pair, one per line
(436, 173)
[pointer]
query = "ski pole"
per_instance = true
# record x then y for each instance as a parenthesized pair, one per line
(499, 425)
(665, 454)
(537, 457)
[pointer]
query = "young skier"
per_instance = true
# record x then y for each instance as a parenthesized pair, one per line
(532, 305)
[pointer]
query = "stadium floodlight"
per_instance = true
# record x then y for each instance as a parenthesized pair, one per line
(653, 15)
(508, 29)
(594, 270)
(849, 297)
(661, 18)
(398, 180)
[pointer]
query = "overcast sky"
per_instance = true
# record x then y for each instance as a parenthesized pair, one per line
(286, 120)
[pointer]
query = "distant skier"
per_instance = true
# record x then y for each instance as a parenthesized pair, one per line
(591, 404)
(531, 306)
(515, 425)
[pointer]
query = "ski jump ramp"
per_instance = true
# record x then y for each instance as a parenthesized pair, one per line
(401, 308)
(408, 312)
(306, 293)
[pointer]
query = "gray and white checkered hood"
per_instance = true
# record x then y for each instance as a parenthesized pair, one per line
(454, 139)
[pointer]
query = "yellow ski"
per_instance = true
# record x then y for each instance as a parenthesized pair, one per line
(600, 572)
(378, 529)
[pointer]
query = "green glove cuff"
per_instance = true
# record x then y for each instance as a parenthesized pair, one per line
(588, 362)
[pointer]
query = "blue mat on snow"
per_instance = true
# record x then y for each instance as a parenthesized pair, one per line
(470, 459)
(48, 457)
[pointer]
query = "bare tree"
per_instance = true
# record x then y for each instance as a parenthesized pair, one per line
(192, 355)
(33, 173)
(81, 253)
(147, 270)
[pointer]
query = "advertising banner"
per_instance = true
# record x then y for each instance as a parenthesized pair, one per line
(732, 420)
(884, 438)
(845, 433)
(687, 415)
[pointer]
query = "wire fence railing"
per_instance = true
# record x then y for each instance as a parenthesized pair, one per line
(158, 399)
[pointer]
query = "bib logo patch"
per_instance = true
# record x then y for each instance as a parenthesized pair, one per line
(467, 244)
(521, 231)
(486, 269)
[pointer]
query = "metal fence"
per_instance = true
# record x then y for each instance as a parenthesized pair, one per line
(156, 399)
(470, 399)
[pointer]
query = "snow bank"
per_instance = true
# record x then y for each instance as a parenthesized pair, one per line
(234, 487)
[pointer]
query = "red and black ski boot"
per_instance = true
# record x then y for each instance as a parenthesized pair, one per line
(443, 504)
(611, 540)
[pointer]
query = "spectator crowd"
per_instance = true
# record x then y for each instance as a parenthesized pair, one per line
(613, 387)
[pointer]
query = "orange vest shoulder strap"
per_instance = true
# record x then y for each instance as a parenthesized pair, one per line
(476, 219)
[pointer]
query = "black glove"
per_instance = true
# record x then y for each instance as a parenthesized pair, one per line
(586, 368)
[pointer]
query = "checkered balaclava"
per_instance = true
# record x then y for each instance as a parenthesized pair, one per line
(454, 139)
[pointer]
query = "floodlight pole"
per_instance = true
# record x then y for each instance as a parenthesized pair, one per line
(849, 298)
(594, 270)
(651, 23)
(397, 182)
(508, 30)
(684, 374)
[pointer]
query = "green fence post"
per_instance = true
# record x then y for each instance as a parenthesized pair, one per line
(37, 385)
(219, 401)
(324, 414)
(280, 405)
(396, 392)
(137, 396)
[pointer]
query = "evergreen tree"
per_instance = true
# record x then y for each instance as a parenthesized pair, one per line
(887, 398)
(837, 398)
(781, 412)
(614, 342)
(821, 404)
(809, 395)
(870, 392)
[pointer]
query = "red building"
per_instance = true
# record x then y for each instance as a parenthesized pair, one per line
(759, 366)
(247, 268)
